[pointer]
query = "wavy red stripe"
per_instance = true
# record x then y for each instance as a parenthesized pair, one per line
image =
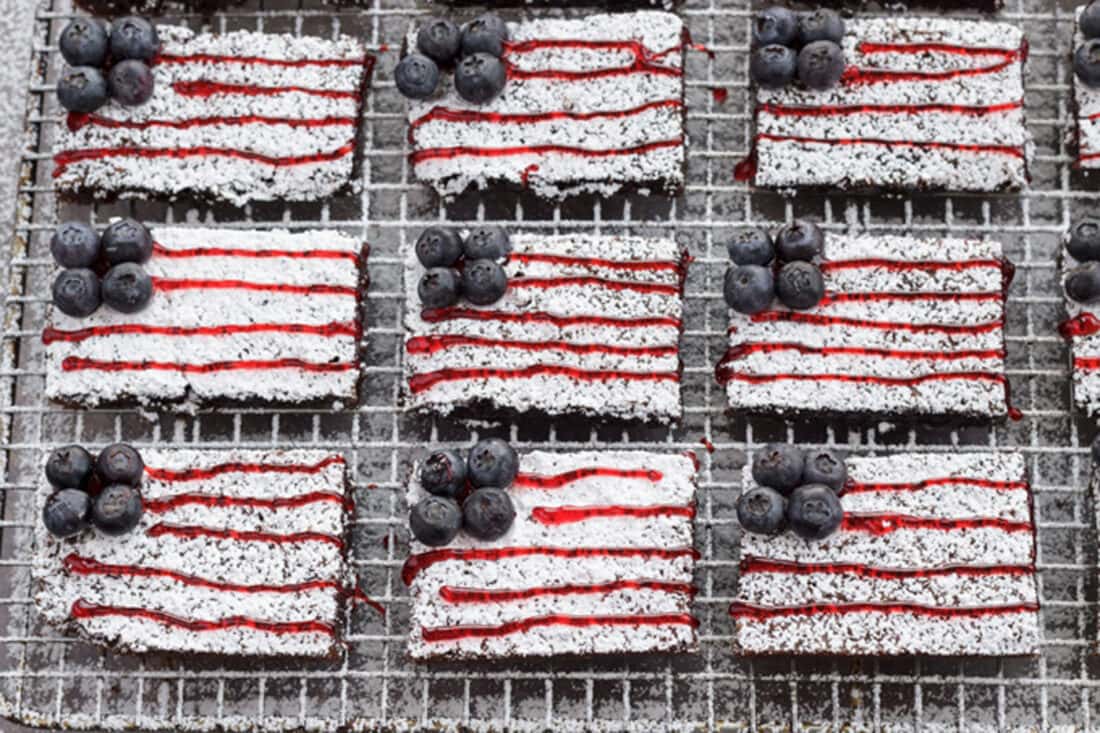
(556, 481)
(758, 613)
(835, 110)
(763, 565)
(880, 524)
(874, 297)
(573, 514)
(159, 506)
(50, 334)
(586, 281)
(816, 319)
(631, 265)
(437, 343)
(167, 284)
(73, 364)
(904, 265)
(473, 595)
(304, 254)
(448, 314)
(200, 474)
(766, 347)
(419, 156)
(858, 487)
(77, 120)
(730, 375)
(84, 610)
(204, 88)
(192, 532)
(209, 58)
(454, 633)
(66, 158)
(1016, 152)
(426, 380)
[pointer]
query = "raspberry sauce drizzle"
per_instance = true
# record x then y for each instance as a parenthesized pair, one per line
(170, 284)
(304, 254)
(644, 60)
(545, 283)
(742, 350)
(882, 524)
(454, 633)
(209, 472)
(761, 613)
(191, 532)
(556, 481)
(210, 58)
(728, 375)
(837, 110)
(763, 565)
(910, 265)
(556, 516)
(876, 297)
(1009, 150)
(159, 506)
(858, 487)
(205, 89)
(859, 75)
(818, 319)
(471, 314)
(447, 153)
(66, 158)
(1083, 324)
(677, 266)
(474, 595)
(51, 335)
(85, 610)
(78, 120)
(436, 343)
(426, 380)
(73, 363)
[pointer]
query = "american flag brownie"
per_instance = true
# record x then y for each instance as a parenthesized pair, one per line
(235, 315)
(588, 324)
(599, 560)
(240, 116)
(935, 555)
(906, 327)
(238, 552)
(591, 105)
(924, 103)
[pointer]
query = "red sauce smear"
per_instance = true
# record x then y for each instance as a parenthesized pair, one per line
(472, 595)
(212, 88)
(50, 335)
(644, 60)
(525, 176)
(66, 158)
(201, 474)
(556, 516)
(84, 610)
(729, 375)
(756, 613)
(439, 315)
(78, 120)
(1084, 324)
(817, 319)
(834, 110)
(165, 284)
(427, 380)
(740, 351)
(858, 487)
(1016, 152)
(556, 481)
(567, 260)
(1086, 362)
(719, 94)
(745, 170)
(706, 444)
(545, 283)
(882, 524)
(188, 532)
(437, 343)
(73, 363)
(159, 506)
(761, 565)
(209, 58)
(907, 265)
(454, 633)
(854, 75)
(419, 156)
(304, 254)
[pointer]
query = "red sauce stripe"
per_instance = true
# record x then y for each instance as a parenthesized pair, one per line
(77, 120)
(856, 75)
(1083, 324)
(817, 319)
(729, 375)
(85, 610)
(556, 481)
(419, 156)
(1087, 363)
(449, 314)
(73, 364)
(906, 265)
(644, 61)
(209, 58)
(66, 158)
(208, 472)
(881, 524)
(874, 297)
(436, 343)
(426, 380)
(166, 284)
(194, 532)
(740, 351)
(454, 633)
(573, 514)
(474, 595)
(837, 110)
(1011, 150)
(159, 506)
(764, 565)
(545, 283)
(758, 613)
(202, 88)
(50, 334)
(858, 487)
(630, 265)
(304, 254)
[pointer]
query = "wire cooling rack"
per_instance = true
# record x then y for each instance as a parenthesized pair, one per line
(54, 682)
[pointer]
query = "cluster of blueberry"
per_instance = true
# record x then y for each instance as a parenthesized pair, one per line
(752, 280)
(102, 492)
(119, 253)
(795, 489)
(90, 48)
(1083, 282)
(1086, 58)
(474, 51)
(466, 494)
(789, 46)
(458, 267)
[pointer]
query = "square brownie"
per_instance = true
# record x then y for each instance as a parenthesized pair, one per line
(599, 560)
(935, 555)
(236, 315)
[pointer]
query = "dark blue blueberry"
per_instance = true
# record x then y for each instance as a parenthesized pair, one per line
(131, 82)
(127, 240)
(435, 520)
(751, 247)
(779, 466)
(416, 76)
(774, 66)
(479, 77)
(120, 463)
(483, 281)
(127, 288)
(83, 42)
(485, 34)
(800, 285)
(762, 510)
(820, 65)
(1083, 283)
(1086, 62)
(75, 244)
(438, 288)
(117, 509)
(134, 37)
(822, 24)
(439, 39)
(439, 247)
(774, 25)
(82, 89)
(76, 292)
(488, 513)
(1089, 21)
(492, 462)
(1084, 241)
(66, 512)
(825, 467)
(487, 242)
(799, 240)
(444, 473)
(70, 467)
(749, 289)
(814, 511)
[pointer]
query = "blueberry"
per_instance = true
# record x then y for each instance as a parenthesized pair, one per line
(779, 466)
(822, 24)
(76, 292)
(488, 513)
(66, 512)
(800, 285)
(117, 509)
(485, 34)
(799, 240)
(751, 247)
(82, 89)
(416, 76)
(120, 463)
(435, 520)
(127, 240)
(762, 510)
(774, 25)
(83, 42)
(75, 244)
(1084, 241)
(438, 288)
(438, 247)
(127, 288)
(439, 39)
(134, 37)
(825, 467)
(131, 82)
(487, 242)
(444, 473)
(814, 511)
(1086, 62)
(483, 281)
(1089, 20)
(820, 65)
(70, 467)
(748, 289)
(492, 462)
(1083, 283)
(479, 77)
(773, 67)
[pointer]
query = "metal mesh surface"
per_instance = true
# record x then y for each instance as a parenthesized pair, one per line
(54, 681)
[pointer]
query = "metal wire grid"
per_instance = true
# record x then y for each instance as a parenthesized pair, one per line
(53, 681)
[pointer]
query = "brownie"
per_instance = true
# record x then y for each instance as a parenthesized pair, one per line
(590, 106)
(238, 552)
(599, 560)
(236, 315)
(240, 116)
(907, 327)
(935, 555)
